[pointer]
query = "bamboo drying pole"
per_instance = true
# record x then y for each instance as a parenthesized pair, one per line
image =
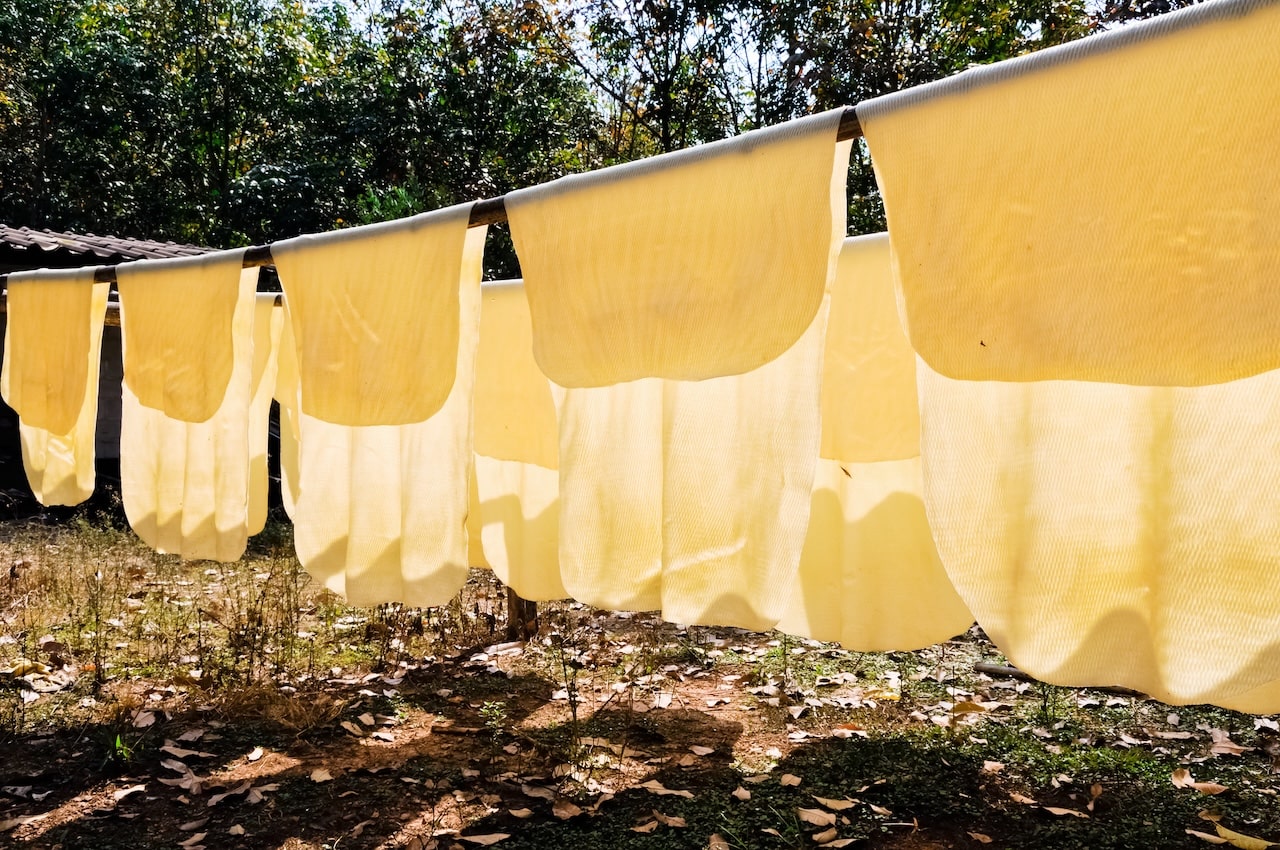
(487, 211)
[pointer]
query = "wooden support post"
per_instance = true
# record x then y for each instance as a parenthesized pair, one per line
(522, 617)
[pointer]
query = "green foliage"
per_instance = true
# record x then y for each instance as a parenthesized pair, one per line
(237, 121)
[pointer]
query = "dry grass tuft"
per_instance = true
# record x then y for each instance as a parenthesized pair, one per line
(260, 703)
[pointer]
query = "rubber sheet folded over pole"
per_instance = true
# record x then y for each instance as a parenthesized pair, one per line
(187, 486)
(870, 576)
(680, 304)
(375, 316)
(180, 345)
(380, 510)
(702, 263)
(1106, 210)
(52, 344)
(514, 525)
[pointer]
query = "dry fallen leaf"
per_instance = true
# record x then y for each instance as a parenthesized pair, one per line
(14, 823)
(1244, 842)
(321, 774)
(1212, 839)
(236, 829)
(992, 767)
(647, 826)
(1022, 798)
(144, 719)
(826, 836)
(239, 789)
(485, 840)
(256, 753)
(192, 825)
(789, 779)
(125, 792)
(979, 837)
(653, 786)
(771, 831)
(717, 842)
(837, 805)
(702, 751)
(193, 840)
(565, 809)
(1209, 788)
(816, 817)
(523, 814)
(1223, 745)
(538, 791)
(1055, 810)
(668, 821)
(1182, 778)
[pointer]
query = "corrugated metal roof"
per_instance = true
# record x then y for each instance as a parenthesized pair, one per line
(111, 248)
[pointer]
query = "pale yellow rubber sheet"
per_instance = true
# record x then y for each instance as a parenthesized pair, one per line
(1108, 210)
(702, 263)
(268, 324)
(870, 577)
(515, 521)
(375, 313)
(186, 485)
(380, 510)
(1115, 535)
(52, 346)
(692, 497)
(287, 395)
(180, 333)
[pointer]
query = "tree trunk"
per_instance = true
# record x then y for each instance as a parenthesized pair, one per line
(522, 617)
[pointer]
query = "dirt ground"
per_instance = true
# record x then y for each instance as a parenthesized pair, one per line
(173, 705)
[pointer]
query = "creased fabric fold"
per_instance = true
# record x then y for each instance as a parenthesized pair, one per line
(698, 264)
(52, 346)
(515, 519)
(380, 511)
(286, 395)
(180, 350)
(374, 311)
(870, 577)
(1107, 210)
(186, 485)
(268, 324)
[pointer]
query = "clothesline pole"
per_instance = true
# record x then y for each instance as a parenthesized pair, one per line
(487, 211)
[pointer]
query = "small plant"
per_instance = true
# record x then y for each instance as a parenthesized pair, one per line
(494, 715)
